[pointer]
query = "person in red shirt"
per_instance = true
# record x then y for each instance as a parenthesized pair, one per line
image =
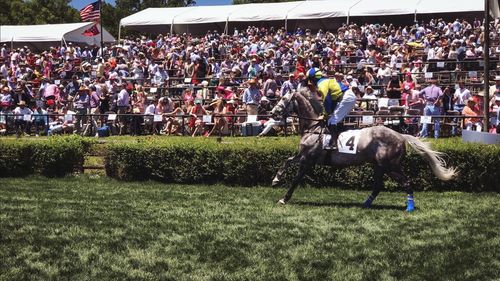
(300, 67)
(471, 110)
(408, 82)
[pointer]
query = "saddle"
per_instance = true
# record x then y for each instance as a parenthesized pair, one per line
(331, 135)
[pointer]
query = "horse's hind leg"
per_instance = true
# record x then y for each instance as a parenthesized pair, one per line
(378, 185)
(398, 175)
(303, 166)
(285, 167)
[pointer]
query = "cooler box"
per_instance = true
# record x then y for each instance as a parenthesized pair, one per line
(103, 131)
(250, 128)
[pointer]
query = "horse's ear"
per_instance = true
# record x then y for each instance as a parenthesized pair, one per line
(304, 91)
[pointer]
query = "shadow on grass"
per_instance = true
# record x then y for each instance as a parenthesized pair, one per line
(347, 205)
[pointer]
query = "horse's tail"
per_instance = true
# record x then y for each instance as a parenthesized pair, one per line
(438, 165)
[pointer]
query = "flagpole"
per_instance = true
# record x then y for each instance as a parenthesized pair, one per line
(486, 56)
(100, 19)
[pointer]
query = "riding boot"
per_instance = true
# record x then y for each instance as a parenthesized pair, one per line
(334, 132)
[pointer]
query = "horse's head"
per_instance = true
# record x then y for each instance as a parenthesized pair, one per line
(284, 106)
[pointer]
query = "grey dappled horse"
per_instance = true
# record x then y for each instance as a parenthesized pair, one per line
(379, 145)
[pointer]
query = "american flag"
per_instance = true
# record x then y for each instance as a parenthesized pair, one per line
(91, 12)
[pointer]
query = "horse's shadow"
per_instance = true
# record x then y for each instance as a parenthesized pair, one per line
(347, 205)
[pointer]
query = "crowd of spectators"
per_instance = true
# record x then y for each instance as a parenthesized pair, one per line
(170, 83)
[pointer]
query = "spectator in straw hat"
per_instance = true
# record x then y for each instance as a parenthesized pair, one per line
(290, 85)
(264, 108)
(81, 105)
(21, 124)
(251, 97)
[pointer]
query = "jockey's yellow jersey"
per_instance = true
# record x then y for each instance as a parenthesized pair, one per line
(330, 90)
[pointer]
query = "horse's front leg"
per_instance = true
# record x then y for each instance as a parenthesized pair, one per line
(284, 167)
(303, 166)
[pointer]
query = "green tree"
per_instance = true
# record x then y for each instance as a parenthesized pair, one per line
(110, 18)
(52, 11)
(15, 12)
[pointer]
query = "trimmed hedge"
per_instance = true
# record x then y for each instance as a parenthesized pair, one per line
(53, 157)
(254, 161)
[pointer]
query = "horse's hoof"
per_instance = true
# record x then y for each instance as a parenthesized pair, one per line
(281, 202)
(275, 183)
(409, 210)
(367, 205)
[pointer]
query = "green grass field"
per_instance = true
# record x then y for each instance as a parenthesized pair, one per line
(90, 228)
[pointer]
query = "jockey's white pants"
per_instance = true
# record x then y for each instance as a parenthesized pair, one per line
(343, 108)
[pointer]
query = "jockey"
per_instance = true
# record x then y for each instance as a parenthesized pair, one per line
(338, 101)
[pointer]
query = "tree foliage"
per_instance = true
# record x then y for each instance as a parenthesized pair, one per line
(24, 12)
(15, 12)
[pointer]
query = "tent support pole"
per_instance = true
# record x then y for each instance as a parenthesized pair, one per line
(226, 28)
(486, 56)
(349, 11)
(119, 33)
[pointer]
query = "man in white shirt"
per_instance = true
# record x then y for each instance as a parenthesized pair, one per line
(122, 103)
(159, 76)
(383, 74)
(21, 121)
(4, 69)
(431, 54)
(151, 111)
(152, 68)
(151, 108)
(3, 52)
(461, 96)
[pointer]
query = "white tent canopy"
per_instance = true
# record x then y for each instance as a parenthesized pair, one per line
(458, 6)
(368, 8)
(262, 11)
(317, 10)
(70, 32)
(298, 10)
(205, 14)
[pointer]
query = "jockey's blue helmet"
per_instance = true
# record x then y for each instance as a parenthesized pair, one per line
(314, 74)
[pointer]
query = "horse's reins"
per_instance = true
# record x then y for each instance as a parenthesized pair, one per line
(311, 130)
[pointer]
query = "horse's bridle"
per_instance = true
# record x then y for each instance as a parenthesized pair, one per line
(284, 105)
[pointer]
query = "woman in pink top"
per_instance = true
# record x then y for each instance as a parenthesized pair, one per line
(139, 99)
(196, 121)
(219, 120)
(188, 97)
(408, 83)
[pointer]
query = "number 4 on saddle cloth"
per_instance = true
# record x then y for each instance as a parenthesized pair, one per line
(347, 141)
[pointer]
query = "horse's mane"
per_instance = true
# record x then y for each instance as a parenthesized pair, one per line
(315, 104)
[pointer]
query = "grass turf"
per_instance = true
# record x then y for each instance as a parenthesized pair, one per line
(90, 228)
